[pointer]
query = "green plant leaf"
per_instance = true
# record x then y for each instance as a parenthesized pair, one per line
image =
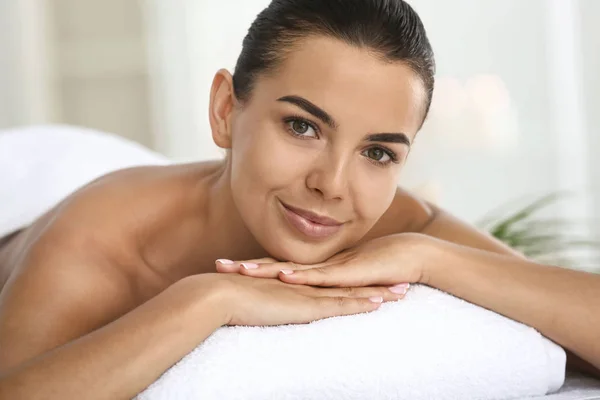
(536, 205)
(548, 240)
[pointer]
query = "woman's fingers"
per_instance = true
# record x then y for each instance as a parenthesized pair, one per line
(338, 306)
(335, 275)
(229, 266)
(385, 293)
(348, 301)
(262, 268)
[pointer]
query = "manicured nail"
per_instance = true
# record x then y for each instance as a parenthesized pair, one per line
(224, 261)
(287, 271)
(376, 299)
(249, 265)
(400, 289)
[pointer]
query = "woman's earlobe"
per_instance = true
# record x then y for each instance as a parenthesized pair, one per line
(221, 108)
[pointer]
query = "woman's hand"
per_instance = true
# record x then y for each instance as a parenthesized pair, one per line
(393, 261)
(260, 302)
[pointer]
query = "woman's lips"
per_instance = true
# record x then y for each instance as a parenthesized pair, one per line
(310, 224)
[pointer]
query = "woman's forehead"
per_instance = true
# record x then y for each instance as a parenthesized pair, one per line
(346, 80)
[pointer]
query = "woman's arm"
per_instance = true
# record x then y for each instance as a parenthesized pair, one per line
(122, 358)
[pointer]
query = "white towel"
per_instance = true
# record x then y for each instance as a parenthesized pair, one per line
(576, 387)
(428, 346)
(41, 165)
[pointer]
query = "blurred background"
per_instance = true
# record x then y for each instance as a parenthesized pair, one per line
(514, 118)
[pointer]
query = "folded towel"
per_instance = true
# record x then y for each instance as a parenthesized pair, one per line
(428, 346)
(41, 165)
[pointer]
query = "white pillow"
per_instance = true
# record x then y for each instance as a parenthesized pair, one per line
(41, 165)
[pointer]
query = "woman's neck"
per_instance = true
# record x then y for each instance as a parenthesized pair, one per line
(229, 235)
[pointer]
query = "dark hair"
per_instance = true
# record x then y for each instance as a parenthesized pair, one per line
(390, 28)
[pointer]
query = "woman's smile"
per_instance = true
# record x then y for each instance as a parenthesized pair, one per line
(310, 224)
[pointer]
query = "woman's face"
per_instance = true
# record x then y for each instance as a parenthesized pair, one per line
(317, 151)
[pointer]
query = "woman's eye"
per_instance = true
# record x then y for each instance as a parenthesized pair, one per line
(302, 128)
(378, 154)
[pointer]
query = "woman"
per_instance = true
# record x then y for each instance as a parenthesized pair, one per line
(317, 121)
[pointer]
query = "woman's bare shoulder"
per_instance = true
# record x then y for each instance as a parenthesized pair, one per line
(406, 213)
(103, 220)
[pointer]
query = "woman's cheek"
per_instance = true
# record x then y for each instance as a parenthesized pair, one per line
(374, 192)
(283, 163)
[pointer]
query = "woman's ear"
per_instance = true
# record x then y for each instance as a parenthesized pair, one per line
(222, 99)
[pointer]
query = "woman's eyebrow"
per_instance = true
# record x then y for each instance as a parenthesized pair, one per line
(390, 138)
(321, 114)
(311, 109)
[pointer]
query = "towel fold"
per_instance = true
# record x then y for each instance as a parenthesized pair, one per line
(428, 346)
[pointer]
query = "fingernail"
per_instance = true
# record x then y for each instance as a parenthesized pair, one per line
(376, 299)
(400, 289)
(224, 261)
(249, 265)
(287, 271)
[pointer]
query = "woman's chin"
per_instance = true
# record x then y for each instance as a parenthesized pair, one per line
(287, 245)
(305, 254)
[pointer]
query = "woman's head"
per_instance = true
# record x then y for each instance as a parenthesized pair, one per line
(326, 99)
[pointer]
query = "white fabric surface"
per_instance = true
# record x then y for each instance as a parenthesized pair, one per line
(429, 346)
(576, 387)
(41, 165)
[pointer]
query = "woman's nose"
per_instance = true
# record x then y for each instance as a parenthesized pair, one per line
(329, 178)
